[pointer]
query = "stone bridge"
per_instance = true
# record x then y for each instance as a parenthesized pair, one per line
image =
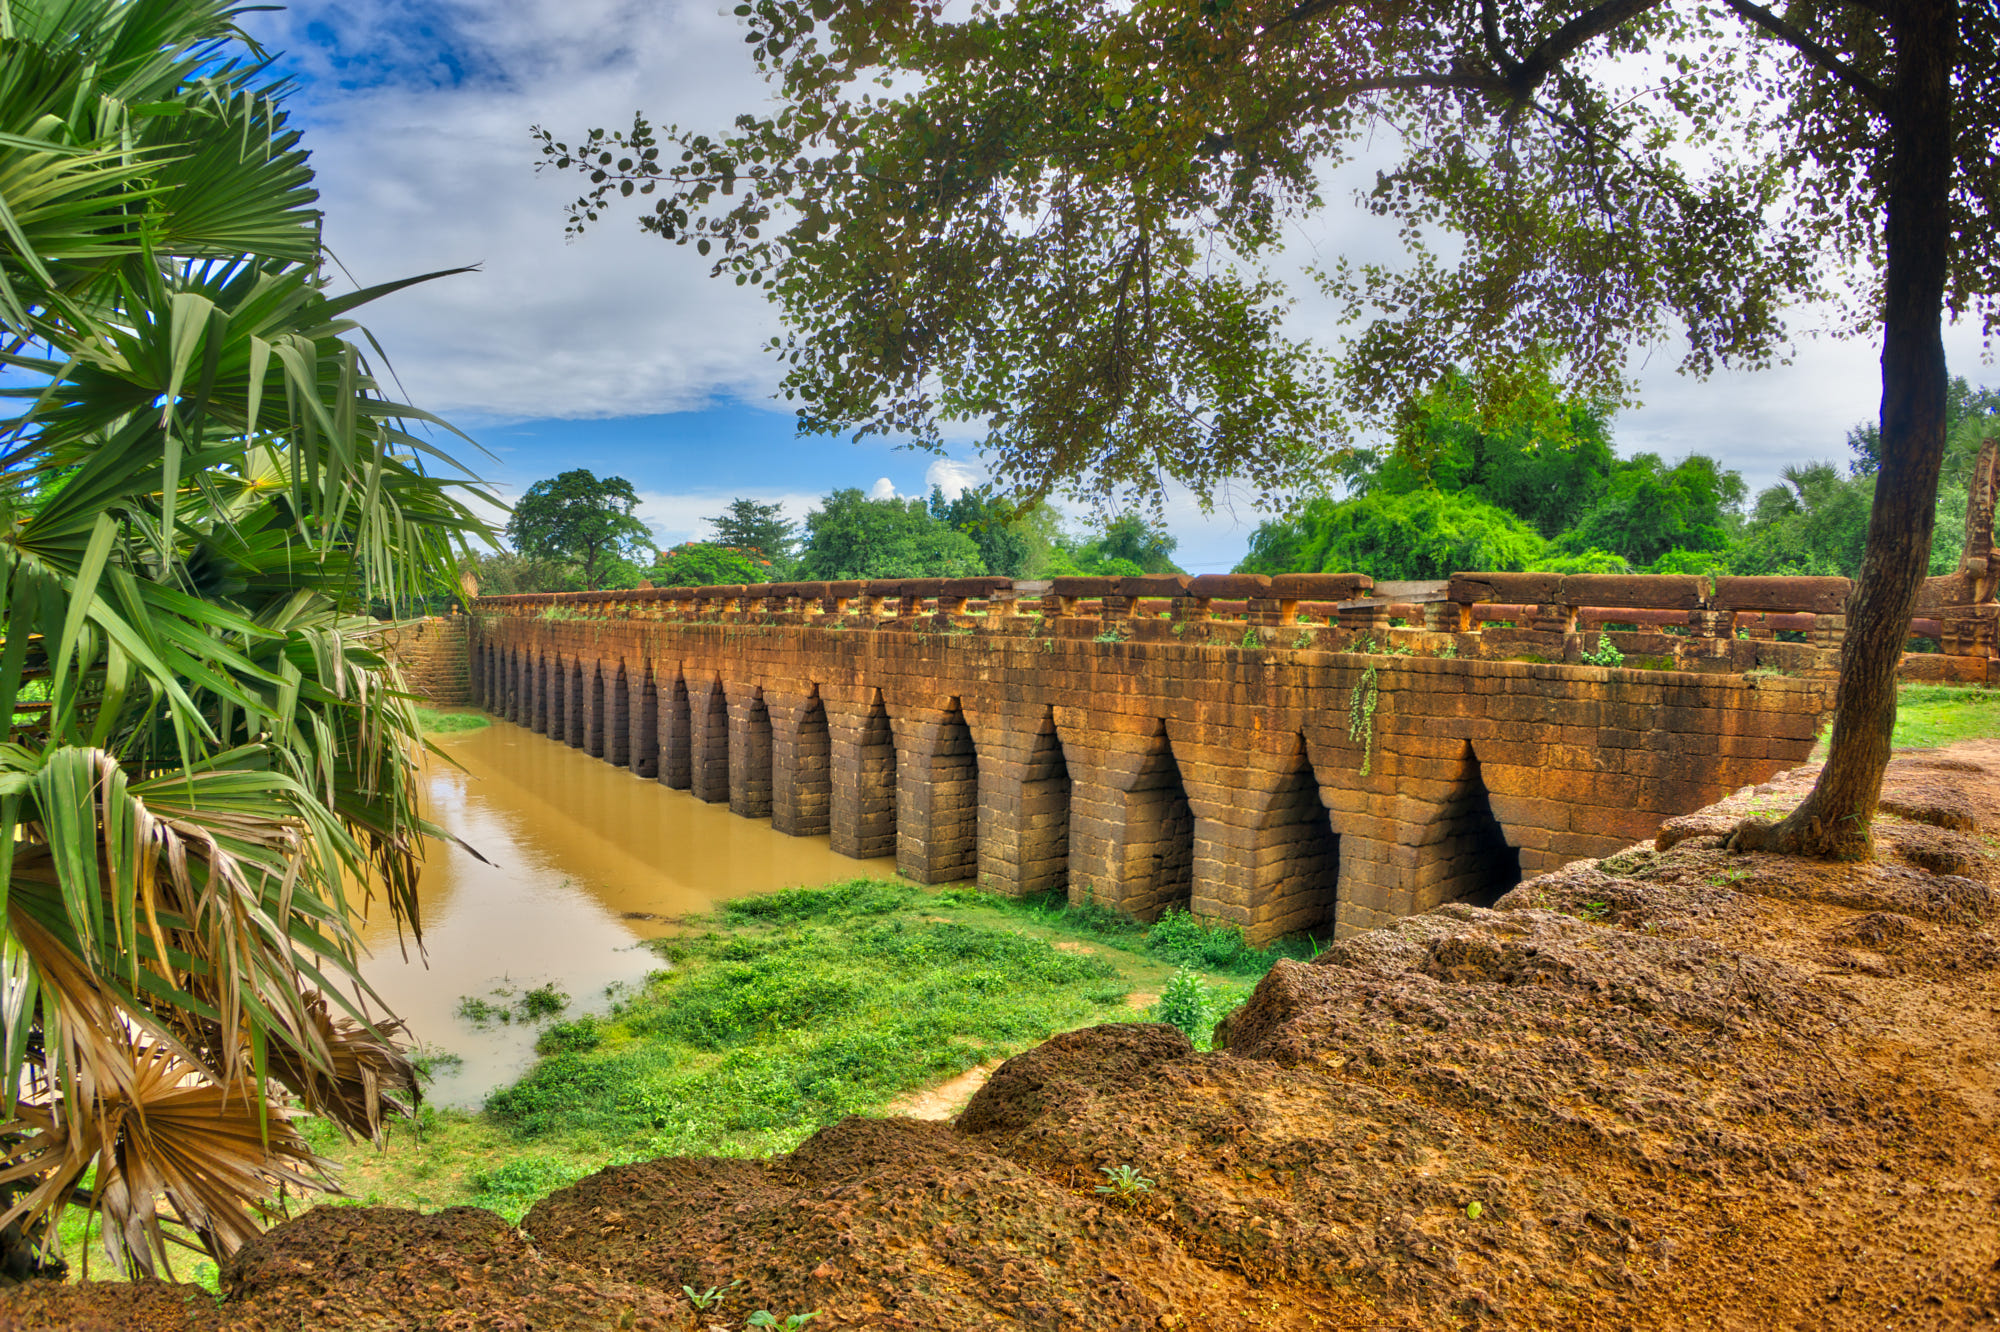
(1282, 756)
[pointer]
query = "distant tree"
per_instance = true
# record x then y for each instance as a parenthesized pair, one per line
(1962, 402)
(1421, 534)
(1649, 508)
(1525, 446)
(749, 526)
(504, 572)
(1007, 545)
(852, 536)
(709, 564)
(1130, 537)
(577, 517)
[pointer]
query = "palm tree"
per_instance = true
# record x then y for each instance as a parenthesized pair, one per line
(202, 491)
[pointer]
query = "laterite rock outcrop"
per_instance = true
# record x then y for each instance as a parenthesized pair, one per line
(1670, 1088)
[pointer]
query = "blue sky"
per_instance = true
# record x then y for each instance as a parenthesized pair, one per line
(617, 353)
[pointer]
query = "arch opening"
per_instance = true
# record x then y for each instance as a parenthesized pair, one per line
(1298, 859)
(750, 758)
(1466, 858)
(1159, 837)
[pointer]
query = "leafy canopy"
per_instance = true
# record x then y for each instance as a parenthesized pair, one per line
(749, 526)
(852, 536)
(577, 517)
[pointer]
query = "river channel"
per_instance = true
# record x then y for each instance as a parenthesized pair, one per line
(583, 863)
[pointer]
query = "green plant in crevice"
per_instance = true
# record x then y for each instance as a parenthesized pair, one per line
(1448, 650)
(1111, 635)
(1123, 1181)
(1251, 638)
(1606, 653)
(712, 1298)
(1361, 716)
(1304, 639)
(765, 1318)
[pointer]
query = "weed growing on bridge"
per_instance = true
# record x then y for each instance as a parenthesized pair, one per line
(1606, 653)
(1448, 649)
(1251, 638)
(1111, 635)
(1304, 639)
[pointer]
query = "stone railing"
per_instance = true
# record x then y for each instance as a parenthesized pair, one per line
(1658, 622)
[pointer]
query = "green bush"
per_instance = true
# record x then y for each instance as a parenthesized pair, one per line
(1186, 1003)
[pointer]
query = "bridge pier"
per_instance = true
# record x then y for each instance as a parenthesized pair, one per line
(862, 821)
(801, 765)
(937, 796)
(1024, 803)
(708, 742)
(750, 775)
(676, 731)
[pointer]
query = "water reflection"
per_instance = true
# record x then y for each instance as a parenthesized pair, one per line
(586, 861)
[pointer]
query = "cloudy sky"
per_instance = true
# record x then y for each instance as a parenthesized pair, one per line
(617, 353)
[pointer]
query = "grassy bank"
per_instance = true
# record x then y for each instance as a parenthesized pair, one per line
(446, 721)
(783, 1013)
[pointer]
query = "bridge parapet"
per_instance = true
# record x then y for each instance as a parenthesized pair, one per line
(1661, 622)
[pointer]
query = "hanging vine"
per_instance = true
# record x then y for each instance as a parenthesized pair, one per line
(1361, 717)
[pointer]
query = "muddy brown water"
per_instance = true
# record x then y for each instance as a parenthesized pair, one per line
(587, 862)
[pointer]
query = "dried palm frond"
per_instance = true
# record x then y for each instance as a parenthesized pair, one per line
(208, 1152)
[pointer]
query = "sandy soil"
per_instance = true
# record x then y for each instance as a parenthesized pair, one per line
(1676, 1088)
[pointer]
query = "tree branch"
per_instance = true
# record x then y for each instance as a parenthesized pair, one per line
(1565, 41)
(1860, 84)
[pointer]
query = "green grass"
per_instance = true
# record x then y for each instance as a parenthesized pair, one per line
(783, 1013)
(437, 722)
(1928, 716)
(1931, 715)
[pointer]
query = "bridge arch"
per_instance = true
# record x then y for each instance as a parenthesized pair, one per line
(708, 742)
(801, 767)
(863, 772)
(750, 775)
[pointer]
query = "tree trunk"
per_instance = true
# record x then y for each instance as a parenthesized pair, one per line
(1833, 820)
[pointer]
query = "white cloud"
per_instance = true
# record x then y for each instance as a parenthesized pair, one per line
(419, 173)
(952, 476)
(883, 489)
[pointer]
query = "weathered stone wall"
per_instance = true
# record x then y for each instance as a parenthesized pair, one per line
(433, 654)
(1254, 775)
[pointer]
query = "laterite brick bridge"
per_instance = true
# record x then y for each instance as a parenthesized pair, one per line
(1304, 753)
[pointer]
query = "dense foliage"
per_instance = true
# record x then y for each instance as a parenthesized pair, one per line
(711, 564)
(203, 492)
(1459, 492)
(578, 518)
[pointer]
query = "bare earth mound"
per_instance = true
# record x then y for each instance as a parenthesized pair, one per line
(1673, 1088)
